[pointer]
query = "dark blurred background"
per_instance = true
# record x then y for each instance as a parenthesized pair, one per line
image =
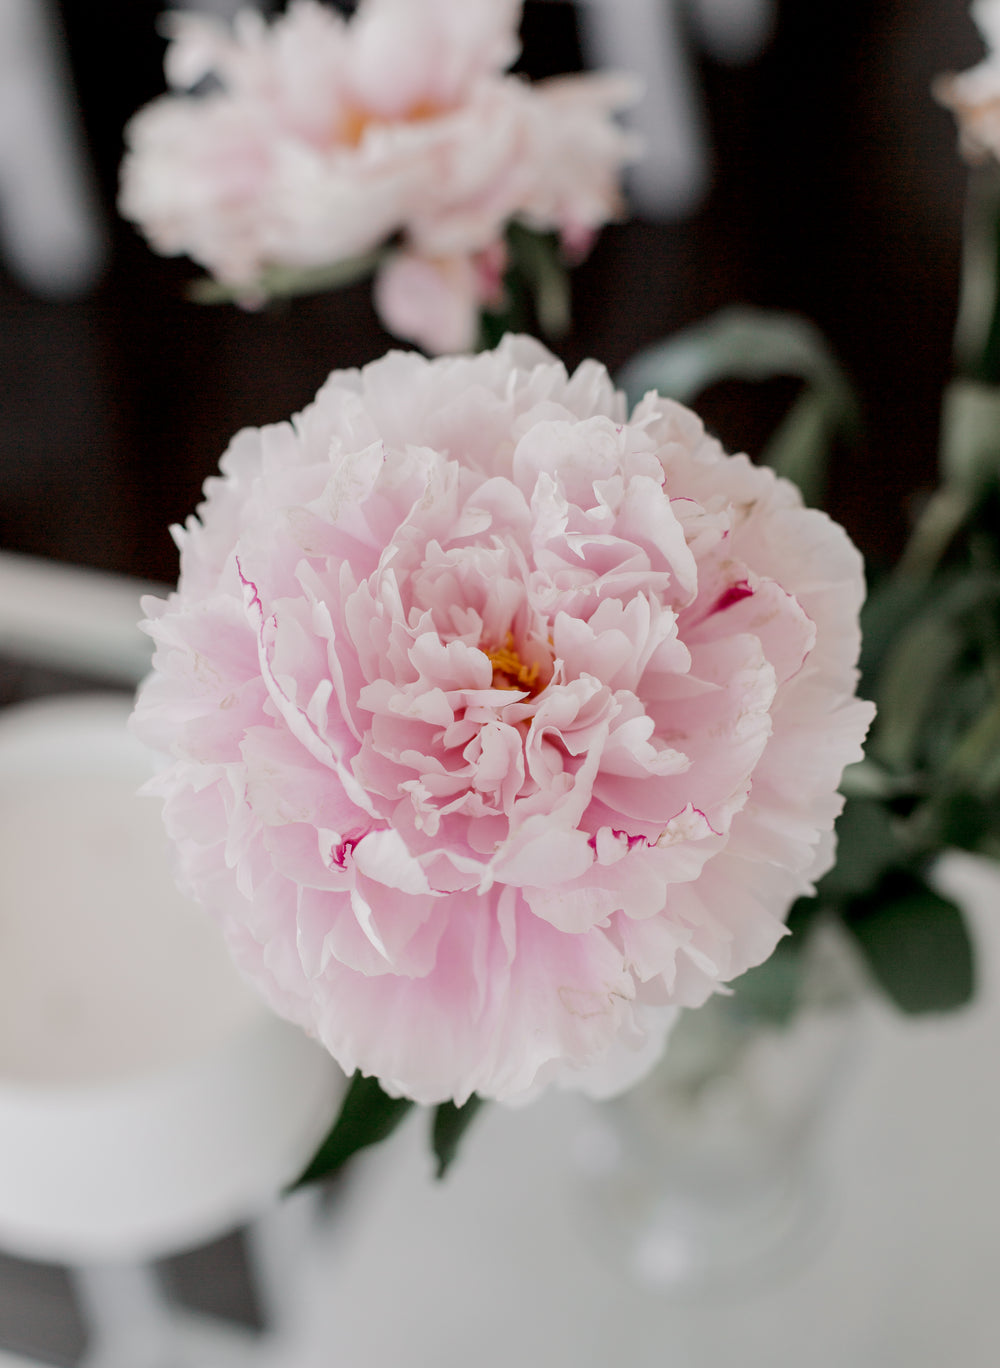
(836, 192)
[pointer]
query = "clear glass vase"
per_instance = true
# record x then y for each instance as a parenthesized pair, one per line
(710, 1173)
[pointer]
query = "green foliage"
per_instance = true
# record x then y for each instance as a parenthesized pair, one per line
(915, 943)
(770, 991)
(537, 259)
(868, 844)
(921, 663)
(970, 437)
(754, 344)
(536, 288)
(968, 822)
(367, 1116)
(977, 332)
(449, 1126)
(284, 282)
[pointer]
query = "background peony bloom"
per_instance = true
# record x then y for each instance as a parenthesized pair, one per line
(578, 155)
(324, 139)
(501, 725)
(973, 96)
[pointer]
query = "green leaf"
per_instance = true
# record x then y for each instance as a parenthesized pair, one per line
(770, 991)
(866, 779)
(923, 668)
(889, 608)
(492, 327)
(975, 331)
(977, 334)
(537, 259)
(794, 451)
(754, 344)
(867, 845)
(282, 282)
(970, 436)
(535, 289)
(915, 670)
(450, 1124)
(945, 514)
(975, 759)
(915, 943)
(733, 344)
(966, 821)
(367, 1116)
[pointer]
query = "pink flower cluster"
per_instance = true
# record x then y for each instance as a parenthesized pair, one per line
(973, 96)
(501, 725)
(324, 139)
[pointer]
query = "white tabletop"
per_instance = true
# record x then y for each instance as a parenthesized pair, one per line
(495, 1266)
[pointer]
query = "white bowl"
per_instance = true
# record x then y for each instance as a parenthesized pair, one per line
(149, 1101)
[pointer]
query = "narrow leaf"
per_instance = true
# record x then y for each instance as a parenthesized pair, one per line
(284, 282)
(537, 258)
(921, 660)
(867, 845)
(755, 344)
(916, 673)
(492, 326)
(450, 1124)
(944, 515)
(795, 449)
(866, 779)
(770, 991)
(915, 942)
(367, 1116)
(975, 759)
(966, 821)
(890, 606)
(737, 344)
(970, 436)
(978, 305)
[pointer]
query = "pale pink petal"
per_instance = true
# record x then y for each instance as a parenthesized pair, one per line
(434, 302)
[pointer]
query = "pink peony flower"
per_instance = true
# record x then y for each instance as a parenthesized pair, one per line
(501, 725)
(578, 154)
(325, 138)
(973, 96)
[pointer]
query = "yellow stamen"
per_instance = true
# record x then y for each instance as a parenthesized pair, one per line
(509, 671)
(354, 122)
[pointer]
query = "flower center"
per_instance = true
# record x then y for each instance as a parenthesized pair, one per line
(509, 670)
(354, 121)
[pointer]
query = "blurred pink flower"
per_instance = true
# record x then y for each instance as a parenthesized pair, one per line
(973, 96)
(325, 138)
(578, 153)
(500, 725)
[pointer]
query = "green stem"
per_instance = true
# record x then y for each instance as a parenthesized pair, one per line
(989, 366)
(936, 528)
(977, 332)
